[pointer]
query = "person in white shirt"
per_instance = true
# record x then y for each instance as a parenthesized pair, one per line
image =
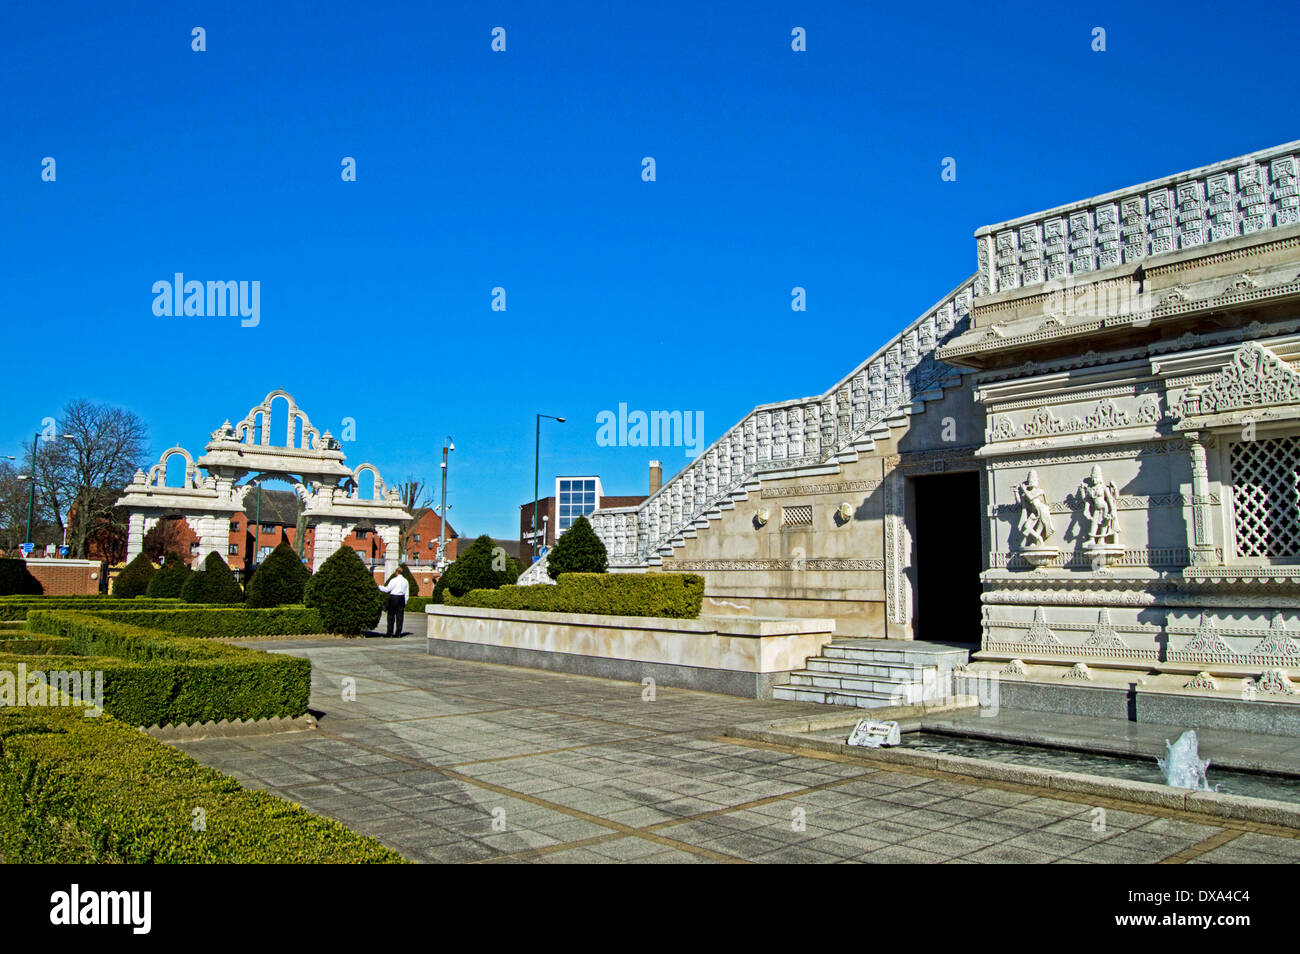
(398, 590)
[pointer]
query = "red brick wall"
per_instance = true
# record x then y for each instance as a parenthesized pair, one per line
(66, 577)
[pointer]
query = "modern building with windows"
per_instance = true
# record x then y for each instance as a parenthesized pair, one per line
(574, 497)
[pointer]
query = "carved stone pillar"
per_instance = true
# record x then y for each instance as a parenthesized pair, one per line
(898, 548)
(134, 536)
(1202, 542)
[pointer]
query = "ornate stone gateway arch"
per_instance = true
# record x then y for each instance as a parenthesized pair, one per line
(309, 460)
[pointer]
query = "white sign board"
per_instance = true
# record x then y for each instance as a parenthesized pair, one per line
(873, 734)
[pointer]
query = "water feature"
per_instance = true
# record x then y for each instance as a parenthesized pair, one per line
(1230, 781)
(1182, 765)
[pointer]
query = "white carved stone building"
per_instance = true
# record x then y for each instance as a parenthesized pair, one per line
(237, 458)
(1086, 457)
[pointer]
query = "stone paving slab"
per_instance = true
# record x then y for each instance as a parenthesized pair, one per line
(456, 761)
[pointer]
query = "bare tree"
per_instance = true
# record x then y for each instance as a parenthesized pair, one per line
(418, 501)
(84, 468)
(13, 507)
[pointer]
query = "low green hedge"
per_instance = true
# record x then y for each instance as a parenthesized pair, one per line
(78, 791)
(36, 645)
(156, 678)
(416, 604)
(16, 607)
(671, 595)
(217, 622)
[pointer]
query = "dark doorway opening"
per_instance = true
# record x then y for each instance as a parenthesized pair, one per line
(949, 557)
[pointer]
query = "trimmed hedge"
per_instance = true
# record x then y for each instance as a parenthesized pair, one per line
(170, 578)
(279, 580)
(155, 678)
(16, 579)
(671, 595)
(219, 622)
(16, 607)
(416, 604)
(344, 592)
(134, 578)
(81, 791)
(483, 565)
(214, 583)
(578, 550)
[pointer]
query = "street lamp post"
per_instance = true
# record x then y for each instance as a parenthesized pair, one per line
(449, 445)
(31, 491)
(537, 458)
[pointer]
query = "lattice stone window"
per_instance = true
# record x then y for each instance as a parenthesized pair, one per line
(800, 516)
(1266, 497)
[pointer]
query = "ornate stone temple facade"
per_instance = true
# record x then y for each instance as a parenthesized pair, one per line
(238, 457)
(1086, 458)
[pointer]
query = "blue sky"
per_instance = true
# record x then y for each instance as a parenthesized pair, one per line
(522, 170)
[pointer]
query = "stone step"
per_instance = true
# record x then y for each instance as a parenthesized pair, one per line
(830, 697)
(893, 655)
(895, 671)
(806, 679)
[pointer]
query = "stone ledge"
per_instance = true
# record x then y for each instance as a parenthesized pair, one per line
(226, 729)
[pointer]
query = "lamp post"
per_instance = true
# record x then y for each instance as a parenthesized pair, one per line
(31, 492)
(448, 445)
(537, 458)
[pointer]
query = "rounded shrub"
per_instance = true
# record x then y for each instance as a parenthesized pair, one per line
(17, 580)
(215, 583)
(280, 579)
(134, 578)
(170, 578)
(344, 593)
(481, 566)
(578, 550)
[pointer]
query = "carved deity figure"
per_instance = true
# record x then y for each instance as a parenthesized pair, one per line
(1100, 507)
(1035, 511)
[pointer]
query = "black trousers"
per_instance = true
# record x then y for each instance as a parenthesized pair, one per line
(396, 610)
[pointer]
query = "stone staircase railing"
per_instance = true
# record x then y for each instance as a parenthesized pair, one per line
(1241, 196)
(789, 435)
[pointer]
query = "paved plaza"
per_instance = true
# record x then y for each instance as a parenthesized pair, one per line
(452, 761)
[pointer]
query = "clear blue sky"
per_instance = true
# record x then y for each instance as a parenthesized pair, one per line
(522, 170)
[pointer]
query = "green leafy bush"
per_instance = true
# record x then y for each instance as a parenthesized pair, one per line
(215, 583)
(134, 578)
(480, 566)
(578, 550)
(343, 591)
(220, 622)
(17, 580)
(76, 791)
(155, 678)
(170, 578)
(671, 595)
(279, 580)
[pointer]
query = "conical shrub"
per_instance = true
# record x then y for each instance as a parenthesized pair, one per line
(170, 578)
(280, 579)
(578, 550)
(215, 583)
(134, 578)
(343, 591)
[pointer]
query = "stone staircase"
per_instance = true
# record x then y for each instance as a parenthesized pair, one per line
(872, 673)
(804, 437)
